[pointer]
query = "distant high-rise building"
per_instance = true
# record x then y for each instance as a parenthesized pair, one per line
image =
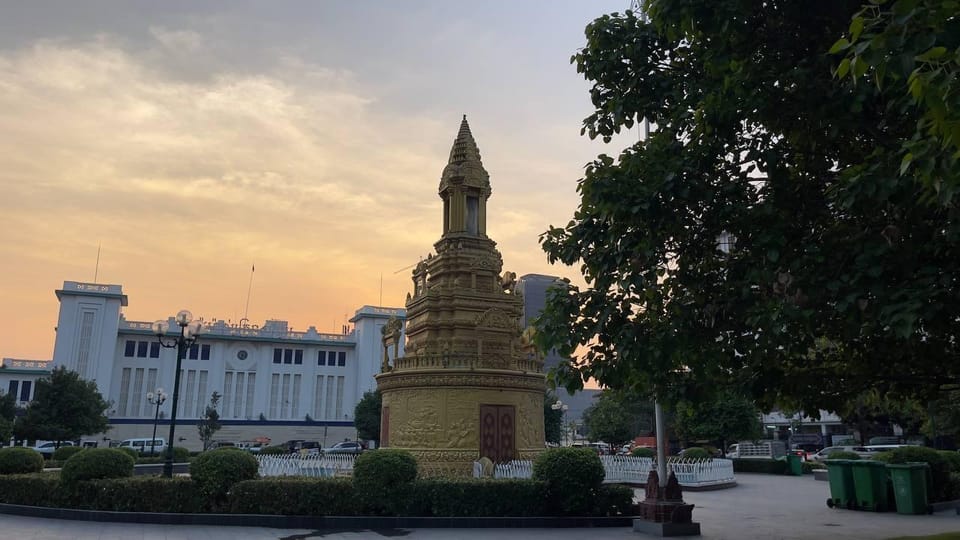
(534, 289)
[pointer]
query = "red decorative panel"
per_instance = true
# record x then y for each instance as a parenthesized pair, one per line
(497, 425)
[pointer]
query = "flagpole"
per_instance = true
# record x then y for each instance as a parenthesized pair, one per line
(246, 308)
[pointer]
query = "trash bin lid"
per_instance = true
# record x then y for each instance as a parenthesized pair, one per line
(910, 465)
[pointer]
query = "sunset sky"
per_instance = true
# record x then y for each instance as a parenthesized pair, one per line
(190, 140)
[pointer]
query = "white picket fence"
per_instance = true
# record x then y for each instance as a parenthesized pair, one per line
(314, 466)
(634, 470)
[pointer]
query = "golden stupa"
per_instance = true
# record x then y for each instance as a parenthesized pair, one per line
(470, 383)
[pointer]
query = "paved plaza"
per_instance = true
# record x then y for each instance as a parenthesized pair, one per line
(760, 507)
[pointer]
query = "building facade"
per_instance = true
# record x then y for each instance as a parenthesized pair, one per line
(273, 382)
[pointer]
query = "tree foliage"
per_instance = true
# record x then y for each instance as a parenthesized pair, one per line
(617, 417)
(872, 413)
(8, 411)
(552, 419)
(209, 424)
(763, 233)
(366, 416)
(910, 49)
(64, 408)
(728, 417)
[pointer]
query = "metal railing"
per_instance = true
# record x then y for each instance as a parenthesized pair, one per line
(314, 466)
(635, 470)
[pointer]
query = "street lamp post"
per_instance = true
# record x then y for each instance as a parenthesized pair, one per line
(562, 407)
(156, 398)
(189, 333)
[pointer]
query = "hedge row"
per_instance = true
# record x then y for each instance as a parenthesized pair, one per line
(299, 496)
(768, 466)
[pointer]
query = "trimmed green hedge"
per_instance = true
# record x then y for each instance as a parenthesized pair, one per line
(20, 460)
(38, 489)
(844, 455)
(294, 497)
(768, 466)
(573, 477)
(644, 452)
(95, 464)
(942, 488)
(65, 452)
(300, 496)
(216, 471)
(381, 479)
(467, 497)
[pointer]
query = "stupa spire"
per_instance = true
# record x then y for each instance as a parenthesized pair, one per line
(464, 146)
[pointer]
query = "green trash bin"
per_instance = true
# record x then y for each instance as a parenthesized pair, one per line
(910, 487)
(840, 477)
(870, 485)
(794, 465)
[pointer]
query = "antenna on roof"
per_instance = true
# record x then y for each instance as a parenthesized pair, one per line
(96, 269)
(246, 308)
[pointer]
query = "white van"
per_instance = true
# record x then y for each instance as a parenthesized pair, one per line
(146, 445)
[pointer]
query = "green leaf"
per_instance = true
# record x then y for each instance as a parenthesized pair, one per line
(843, 68)
(856, 27)
(841, 45)
(773, 255)
(932, 54)
(905, 162)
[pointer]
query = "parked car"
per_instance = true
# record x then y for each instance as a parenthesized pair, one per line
(48, 448)
(733, 451)
(307, 448)
(826, 452)
(145, 445)
(345, 447)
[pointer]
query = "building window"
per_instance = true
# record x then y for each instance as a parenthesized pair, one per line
(473, 204)
(86, 336)
(124, 392)
(205, 352)
(130, 348)
(274, 393)
(277, 356)
(194, 352)
(321, 358)
(340, 381)
(25, 387)
(13, 387)
(298, 356)
(142, 349)
(288, 356)
(342, 358)
(154, 350)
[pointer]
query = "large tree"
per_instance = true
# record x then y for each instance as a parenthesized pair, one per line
(727, 417)
(767, 231)
(64, 408)
(366, 416)
(8, 412)
(617, 417)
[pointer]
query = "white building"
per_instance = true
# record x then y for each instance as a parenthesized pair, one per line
(19, 377)
(274, 382)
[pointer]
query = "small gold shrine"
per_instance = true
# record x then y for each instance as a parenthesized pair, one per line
(471, 383)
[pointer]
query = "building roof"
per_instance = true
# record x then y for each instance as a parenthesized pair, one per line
(464, 166)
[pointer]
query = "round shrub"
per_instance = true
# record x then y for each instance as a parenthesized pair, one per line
(130, 452)
(573, 477)
(952, 458)
(939, 468)
(381, 477)
(180, 454)
(65, 452)
(216, 471)
(95, 464)
(696, 453)
(644, 452)
(844, 455)
(274, 450)
(20, 460)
